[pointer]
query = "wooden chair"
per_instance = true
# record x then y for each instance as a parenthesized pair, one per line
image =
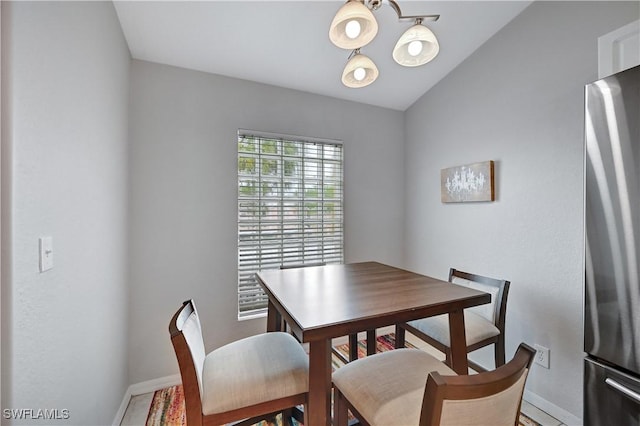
(254, 378)
(484, 324)
(410, 387)
(353, 338)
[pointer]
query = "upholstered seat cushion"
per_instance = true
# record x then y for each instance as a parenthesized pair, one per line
(253, 370)
(476, 327)
(388, 388)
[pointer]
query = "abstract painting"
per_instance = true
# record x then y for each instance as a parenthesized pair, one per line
(468, 183)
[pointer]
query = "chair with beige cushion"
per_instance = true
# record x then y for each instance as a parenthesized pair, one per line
(410, 387)
(253, 378)
(484, 324)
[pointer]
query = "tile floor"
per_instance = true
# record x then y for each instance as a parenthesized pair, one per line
(138, 408)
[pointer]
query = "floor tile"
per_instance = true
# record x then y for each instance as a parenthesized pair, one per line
(137, 411)
(538, 415)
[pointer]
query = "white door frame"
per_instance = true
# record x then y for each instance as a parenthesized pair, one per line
(618, 50)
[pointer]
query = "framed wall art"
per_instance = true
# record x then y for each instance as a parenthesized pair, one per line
(468, 183)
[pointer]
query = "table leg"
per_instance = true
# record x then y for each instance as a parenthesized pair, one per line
(400, 337)
(371, 342)
(274, 319)
(458, 340)
(353, 347)
(319, 382)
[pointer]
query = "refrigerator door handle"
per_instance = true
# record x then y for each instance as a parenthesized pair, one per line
(623, 389)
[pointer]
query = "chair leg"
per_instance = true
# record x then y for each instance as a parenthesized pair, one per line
(371, 342)
(306, 414)
(400, 335)
(353, 347)
(287, 417)
(499, 351)
(341, 416)
(298, 414)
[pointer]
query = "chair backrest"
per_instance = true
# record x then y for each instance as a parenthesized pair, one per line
(495, 311)
(186, 336)
(490, 398)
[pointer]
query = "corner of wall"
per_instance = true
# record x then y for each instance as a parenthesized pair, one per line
(5, 217)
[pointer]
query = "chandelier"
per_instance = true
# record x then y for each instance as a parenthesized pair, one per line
(354, 26)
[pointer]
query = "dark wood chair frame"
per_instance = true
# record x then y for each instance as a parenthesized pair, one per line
(353, 338)
(497, 341)
(244, 416)
(440, 388)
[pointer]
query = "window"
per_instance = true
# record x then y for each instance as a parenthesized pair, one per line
(290, 208)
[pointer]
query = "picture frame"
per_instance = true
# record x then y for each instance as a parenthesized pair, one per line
(468, 183)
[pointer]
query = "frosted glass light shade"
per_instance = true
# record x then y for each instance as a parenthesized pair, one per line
(359, 61)
(422, 34)
(353, 10)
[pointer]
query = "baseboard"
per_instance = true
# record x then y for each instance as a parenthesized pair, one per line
(155, 384)
(123, 408)
(142, 388)
(559, 413)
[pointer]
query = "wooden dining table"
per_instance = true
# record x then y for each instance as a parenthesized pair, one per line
(320, 303)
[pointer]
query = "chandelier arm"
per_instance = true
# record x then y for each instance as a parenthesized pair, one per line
(395, 6)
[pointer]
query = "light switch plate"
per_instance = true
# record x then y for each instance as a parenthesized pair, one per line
(46, 253)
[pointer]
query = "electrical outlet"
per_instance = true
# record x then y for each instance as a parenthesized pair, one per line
(542, 356)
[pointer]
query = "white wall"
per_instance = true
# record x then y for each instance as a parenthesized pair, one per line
(184, 194)
(65, 89)
(518, 100)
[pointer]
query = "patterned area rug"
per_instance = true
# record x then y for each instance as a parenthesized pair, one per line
(383, 343)
(167, 407)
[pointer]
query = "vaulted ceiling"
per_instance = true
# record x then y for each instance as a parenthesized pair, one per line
(286, 43)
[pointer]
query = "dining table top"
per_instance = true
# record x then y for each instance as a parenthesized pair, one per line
(333, 300)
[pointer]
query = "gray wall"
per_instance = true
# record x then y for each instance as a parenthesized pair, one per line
(518, 101)
(65, 104)
(184, 194)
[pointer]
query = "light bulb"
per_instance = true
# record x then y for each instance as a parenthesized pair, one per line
(359, 74)
(414, 48)
(352, 29)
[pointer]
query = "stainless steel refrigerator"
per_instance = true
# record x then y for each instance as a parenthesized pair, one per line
(612, 258)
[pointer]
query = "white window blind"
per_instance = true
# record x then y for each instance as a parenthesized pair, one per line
(290, 208)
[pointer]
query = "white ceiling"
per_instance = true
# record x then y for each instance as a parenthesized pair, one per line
(286, 43)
